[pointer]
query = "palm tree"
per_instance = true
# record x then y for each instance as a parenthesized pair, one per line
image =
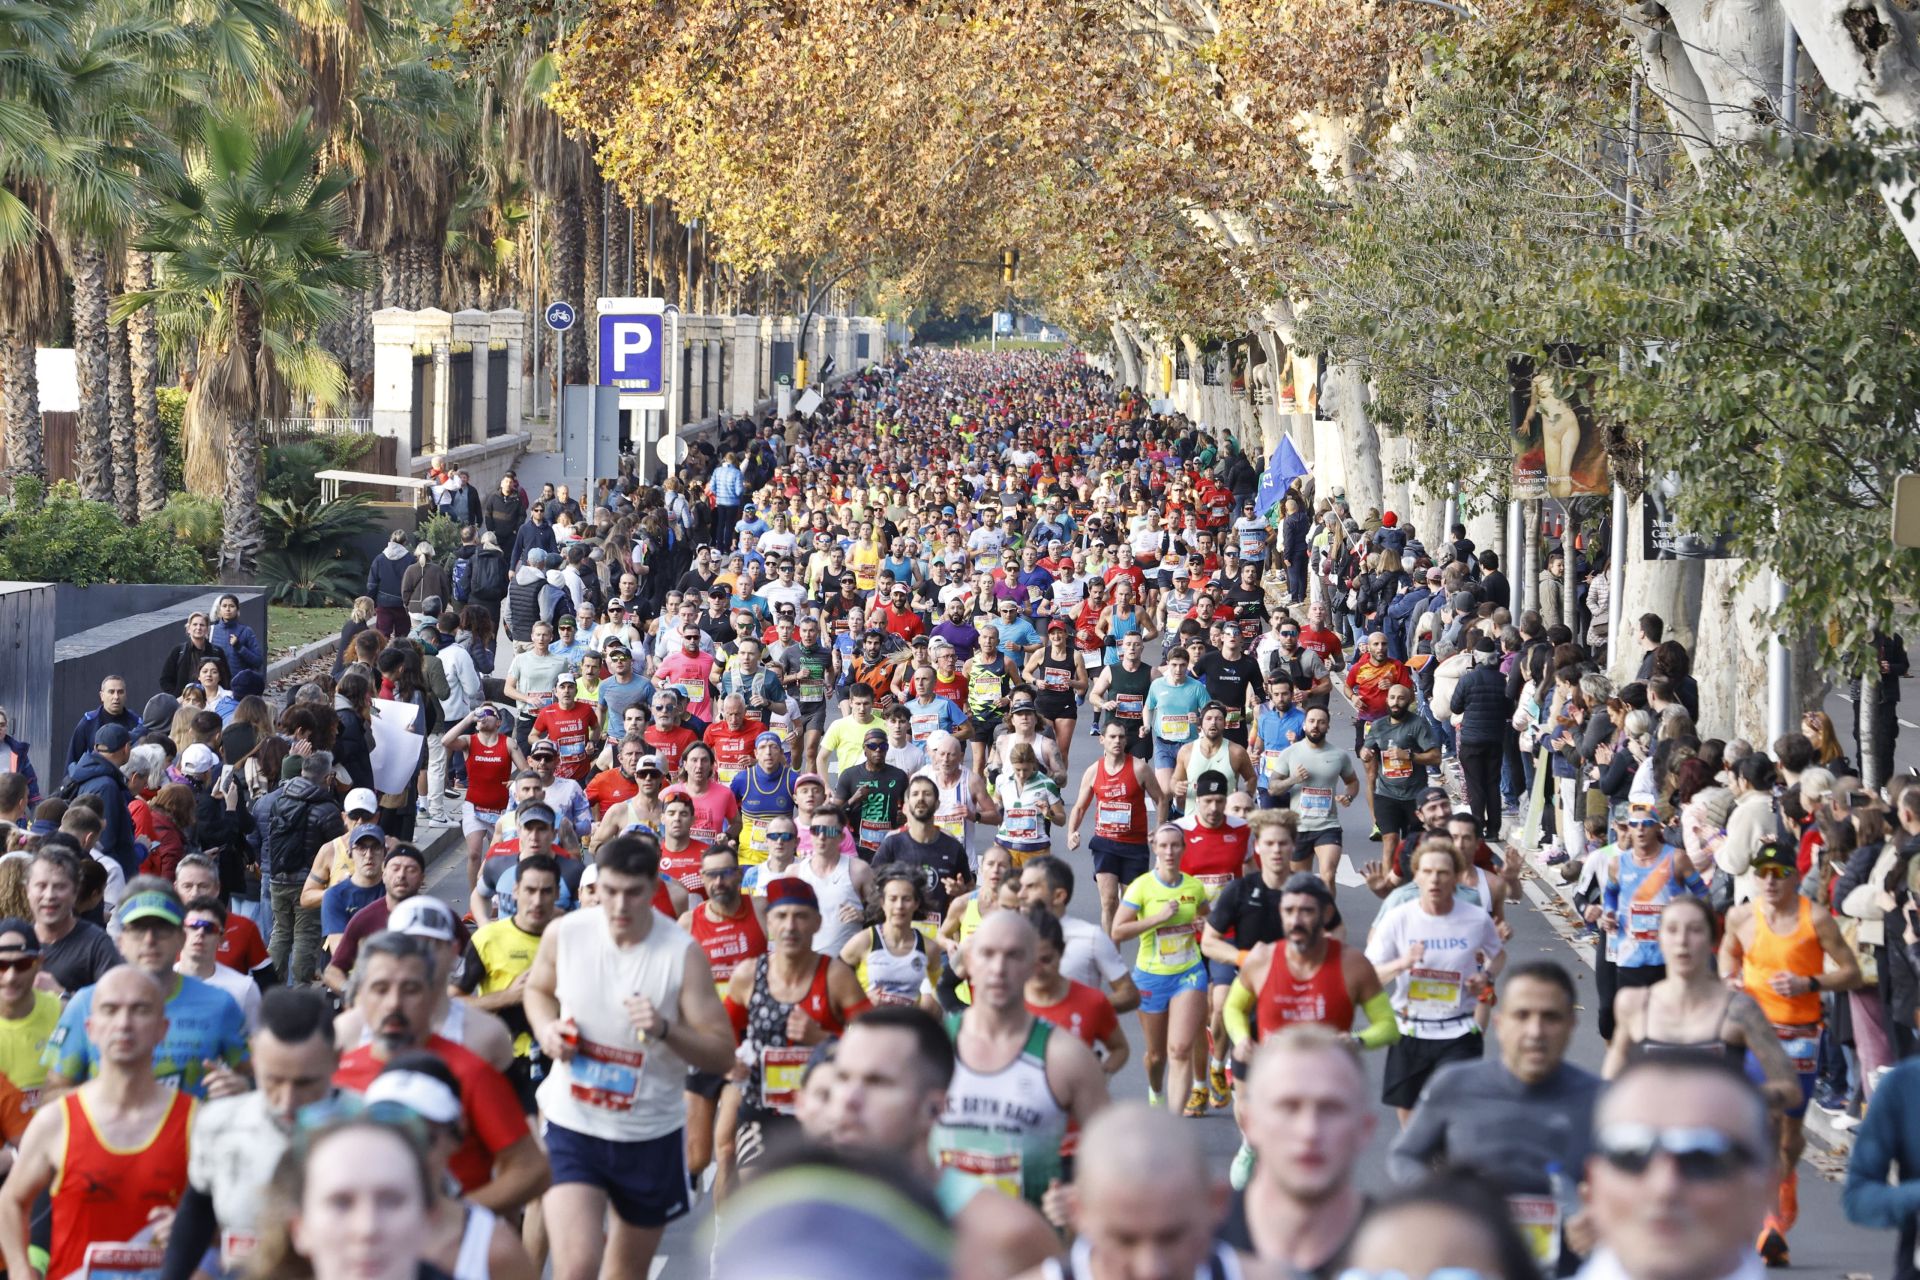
(251, 263)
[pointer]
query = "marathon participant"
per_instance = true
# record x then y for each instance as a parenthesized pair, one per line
(1788, 951)
(1233, 679)
(1211, 752)
(1519, 1120)
(1058, 679)
(74, 953)
(492, 896)
(1080, 1010)
(1316, 638)
(615, 1115)
(1397, 751)
(1029, 804)
(670, 736)
(896, 959)
(206, 923)
(203, 1046)
(922, 843)
(114, 1150)
(573, 728)
(492, 760)
(1119, 693)
(1307, 774)
(1303, 1106)
(492, 973)
(401, 877)
(1440, 954)
(990, 679)
(1638, 881)
(680, 854)
(1023, 727)
(1088, 956)
(845, 739)
(1278, 725)
(765, 791)
(28, 1014)
(786, 1002)
(962, 796)
(1117, 787)
(998, 890)
(1016, 1084)
(1144, 1205)
(567, 799)
(1172, 715)
(732, 932)
(810, 666)
(873, 793)
(617, 785)
(840, 881)
(716, 813)
(1164, 909)
(1281, 654)
(891, 1075)
(236, 1142)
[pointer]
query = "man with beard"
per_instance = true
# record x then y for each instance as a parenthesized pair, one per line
(498, 1164)
(921, 843)
(1399, 748)
(730, 930)
(890, 1077)
(1308, 772)
(1306, 1115)
(873, 793)
(1312, 978)
(493, 973)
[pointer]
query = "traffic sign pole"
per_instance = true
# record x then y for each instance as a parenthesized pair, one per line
(560, 317)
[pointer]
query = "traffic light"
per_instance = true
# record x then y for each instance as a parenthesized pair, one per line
(1009, 266)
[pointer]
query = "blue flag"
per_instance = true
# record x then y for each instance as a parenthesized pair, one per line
(1282, 469)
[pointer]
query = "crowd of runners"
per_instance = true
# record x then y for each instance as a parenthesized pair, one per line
(787, 899)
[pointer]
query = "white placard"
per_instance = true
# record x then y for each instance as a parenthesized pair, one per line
(396, 747)
(807, 403)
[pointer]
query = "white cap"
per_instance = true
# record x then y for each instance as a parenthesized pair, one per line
(418, 1092)
(589, 874)
(362, 800)
(423, 917)
(199, 758)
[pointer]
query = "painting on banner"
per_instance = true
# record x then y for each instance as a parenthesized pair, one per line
(1559, 446)
(396, 745)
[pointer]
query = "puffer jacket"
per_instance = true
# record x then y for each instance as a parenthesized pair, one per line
(296, 820)
(386, 575)
(94, 774)
(1480, 703)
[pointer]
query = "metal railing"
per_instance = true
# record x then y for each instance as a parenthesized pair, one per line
(279, 427)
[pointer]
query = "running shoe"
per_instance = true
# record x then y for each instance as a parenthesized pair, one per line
(1241, 1171)
(1156, 1100)
(1219, 1086)
(1773, 1246)
(1196, 1102)
(1555, 858)
(1375, 833)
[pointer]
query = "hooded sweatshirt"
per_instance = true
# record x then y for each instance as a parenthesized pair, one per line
(386, 574)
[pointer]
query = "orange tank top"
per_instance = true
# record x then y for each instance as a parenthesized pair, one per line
(104, 1194)
(1796, 952)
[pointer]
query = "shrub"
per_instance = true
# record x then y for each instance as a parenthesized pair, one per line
(309, 578)
(291, 471)
(316, 524)
(443, 533)
(58, 536)
(194, 520)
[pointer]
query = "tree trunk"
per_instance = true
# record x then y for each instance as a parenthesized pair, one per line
(1360, 443)
(143, 367)
(126, 492)
(20, 405)
(593, 267)
(241, 534)
(567, 277)
(92, 458)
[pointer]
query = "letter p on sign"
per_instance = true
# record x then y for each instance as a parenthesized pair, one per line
(631, 347)
(631, 339)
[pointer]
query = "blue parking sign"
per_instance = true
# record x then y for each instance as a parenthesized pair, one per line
(631, 346)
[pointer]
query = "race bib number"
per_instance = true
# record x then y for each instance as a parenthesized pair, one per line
(780, 1071)
(1021, 822)
(1314, 802)
(1396, 764)
(123, 1262)
(571, 748)
(923, 723)
(605, 1077)
(998, 1169)
(1643, 921)
(1538, 1218)
(871, 834)
(1057, 680)
(728, 772)
(1175, 728)
(1129, 706)
(953, 823)
(753, 842)
(812, 691)
(1113, 817)
(693, 690)
(1214, 884)
(1433, 993)
(235, 1248)
(1270, 761)
(1801, 1050)
(1177, 945)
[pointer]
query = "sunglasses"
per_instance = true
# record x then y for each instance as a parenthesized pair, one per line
(19, 964)
(203, 926)
(1772, 873)
(824, 833)
(726, 873)
(1700, 1155)
(781, 837)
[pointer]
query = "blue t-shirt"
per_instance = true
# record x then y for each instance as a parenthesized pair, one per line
(1173, 711)
(616, 697)
(1278, 731)
(1040, 582)
(1018, 637)
(204, 1024)
(338, 904)
(928, 718)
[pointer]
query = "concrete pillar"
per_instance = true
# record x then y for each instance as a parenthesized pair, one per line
(718, 340)
(509, 327)
(743, 363)
(433, 331)
(471, 328)
(393, 382)
(439, 433)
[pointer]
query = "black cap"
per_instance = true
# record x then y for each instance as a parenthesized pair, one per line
(1431, 794)
(1210, 783)
(14, 924)
(1773, 855)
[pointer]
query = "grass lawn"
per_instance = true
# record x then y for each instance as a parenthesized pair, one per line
(290, 628)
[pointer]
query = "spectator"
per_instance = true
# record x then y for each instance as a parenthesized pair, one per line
(504, 511)
(385, 578)
(425, 578)
(236, 639)
(297, 821)
(172, 808)
(183, 663)
(536, 533)
(112, 710)
(353, 742)
(357, 621)
(97, 773)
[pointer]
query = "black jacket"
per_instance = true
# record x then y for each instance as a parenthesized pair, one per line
(182, 666)
(384, 577)
(95, 775)
(1480, 700)
(503, 514)
(222, 835)
(487, 584)
(353, 747)
(296, 820)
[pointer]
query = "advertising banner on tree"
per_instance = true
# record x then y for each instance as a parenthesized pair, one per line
(1661, 535)
(1559, 447)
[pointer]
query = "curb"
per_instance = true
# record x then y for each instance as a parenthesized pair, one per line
(1555, 901)
(283, 666)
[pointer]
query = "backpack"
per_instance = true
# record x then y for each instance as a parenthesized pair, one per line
(487, 577)
(463, 578)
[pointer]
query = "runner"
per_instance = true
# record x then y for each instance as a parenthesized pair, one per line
(895, 958)
(1059, 680)
(1029, 803)
(1119, 693)
(765, 791)
(783, 1004)
(1165, 909)
(1172, 715)
(1397, 751)
(840, 882)
(1440, 954)
(1117, 787)
(1307, 773)
(731, 930)
(615, 1115)
(1212, 752)
(873, 793)
(1787, 951)
(493, 757)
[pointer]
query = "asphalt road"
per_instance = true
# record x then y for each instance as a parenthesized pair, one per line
(1823, 1242)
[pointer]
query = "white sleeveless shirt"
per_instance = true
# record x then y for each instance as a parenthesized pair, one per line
(616, 1087)
(835, 890)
